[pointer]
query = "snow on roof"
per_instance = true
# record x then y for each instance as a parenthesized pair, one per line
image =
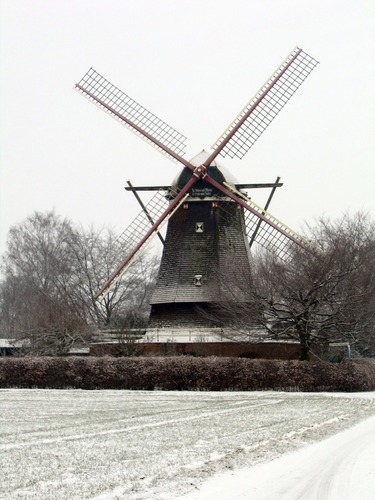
(200, 158)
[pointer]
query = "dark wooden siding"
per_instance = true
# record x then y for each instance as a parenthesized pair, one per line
(219, 254)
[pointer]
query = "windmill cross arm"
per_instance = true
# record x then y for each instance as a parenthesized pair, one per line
(238, 186)
(259, 185)
(147, 188)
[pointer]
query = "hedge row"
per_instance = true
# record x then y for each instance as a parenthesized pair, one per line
(185, 373)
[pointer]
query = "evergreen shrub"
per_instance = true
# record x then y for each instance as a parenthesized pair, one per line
(185, 373)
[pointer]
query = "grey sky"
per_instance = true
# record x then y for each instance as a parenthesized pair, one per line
(194, 64)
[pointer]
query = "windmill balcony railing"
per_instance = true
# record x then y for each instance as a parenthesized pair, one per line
(187, 335)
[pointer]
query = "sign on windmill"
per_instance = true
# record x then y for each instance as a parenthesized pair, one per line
(211, 221)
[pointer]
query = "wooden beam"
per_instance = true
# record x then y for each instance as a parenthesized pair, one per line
(238, 186)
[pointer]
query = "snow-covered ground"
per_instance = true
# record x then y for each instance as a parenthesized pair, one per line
(165, 445)
(341, 467)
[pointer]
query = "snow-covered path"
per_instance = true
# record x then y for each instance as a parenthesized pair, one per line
(341, 467)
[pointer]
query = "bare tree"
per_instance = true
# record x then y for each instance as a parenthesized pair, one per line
(324, 296)
(36, 302)
(52, 271)
(327, 295)
(97, 255)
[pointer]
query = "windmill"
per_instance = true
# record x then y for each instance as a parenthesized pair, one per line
(212, 223)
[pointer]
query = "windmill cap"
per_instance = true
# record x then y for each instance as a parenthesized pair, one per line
(221, 175)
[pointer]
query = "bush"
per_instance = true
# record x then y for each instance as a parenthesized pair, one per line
(186, 373)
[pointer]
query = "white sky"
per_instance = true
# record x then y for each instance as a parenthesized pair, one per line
(195, 64)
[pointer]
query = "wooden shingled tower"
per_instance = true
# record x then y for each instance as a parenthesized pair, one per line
(212, 224)
(205, 242)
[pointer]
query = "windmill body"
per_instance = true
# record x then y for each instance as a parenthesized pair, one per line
(205, 254)
(211, 221)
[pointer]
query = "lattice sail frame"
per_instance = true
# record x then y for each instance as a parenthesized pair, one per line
(271, 239)
(278, 238)
(266, 104)
(136, 231)
(118, 104)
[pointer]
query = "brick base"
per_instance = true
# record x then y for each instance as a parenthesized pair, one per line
(267, 350)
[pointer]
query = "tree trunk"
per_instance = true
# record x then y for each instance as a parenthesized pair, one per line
(305, 346)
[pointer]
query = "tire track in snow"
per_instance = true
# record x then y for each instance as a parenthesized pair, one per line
(160, 423)
(334, 476)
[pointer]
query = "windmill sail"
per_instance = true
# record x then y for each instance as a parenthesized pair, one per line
(277, 240)
(266, 230)
(137, 235)
(141, 224)
(252, 121)
(131, 114)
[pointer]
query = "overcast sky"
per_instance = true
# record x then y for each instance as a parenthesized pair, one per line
(195, 64)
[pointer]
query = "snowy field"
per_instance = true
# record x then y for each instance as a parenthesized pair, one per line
(72, 444)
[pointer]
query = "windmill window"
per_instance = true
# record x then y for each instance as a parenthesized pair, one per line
(198, 280)
(199, 227)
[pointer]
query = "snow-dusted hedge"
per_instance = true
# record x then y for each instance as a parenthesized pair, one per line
(185, 373)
